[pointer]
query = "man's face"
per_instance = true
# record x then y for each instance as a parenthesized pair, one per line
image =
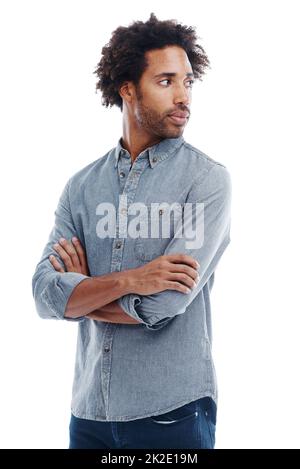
(164, 88)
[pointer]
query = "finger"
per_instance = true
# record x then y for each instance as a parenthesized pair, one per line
(64, 256)
(183, 259)
(80, 252)
(56, 264)
(177, 286)
(183, 278)
(69, 248)
(185, 269)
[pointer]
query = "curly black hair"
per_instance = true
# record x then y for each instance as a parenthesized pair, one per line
(123, 58)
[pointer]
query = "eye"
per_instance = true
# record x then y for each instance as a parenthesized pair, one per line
(166, 79)
(189, 81)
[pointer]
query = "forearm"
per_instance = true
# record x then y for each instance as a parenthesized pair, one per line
(112, 307)
(93, 293)
(112, 312)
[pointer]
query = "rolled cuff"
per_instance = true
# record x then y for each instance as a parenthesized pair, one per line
(129, 303)
(57, 292)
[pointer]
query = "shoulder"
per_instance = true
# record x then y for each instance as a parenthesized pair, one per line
(91, 172)
(207, 170)
(201, 156)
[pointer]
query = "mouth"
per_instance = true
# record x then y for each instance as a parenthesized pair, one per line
(178, 120)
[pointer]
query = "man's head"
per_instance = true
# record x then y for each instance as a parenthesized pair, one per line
(147, 70)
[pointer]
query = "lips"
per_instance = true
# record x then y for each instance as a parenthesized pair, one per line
(179, 117)
(180, 114)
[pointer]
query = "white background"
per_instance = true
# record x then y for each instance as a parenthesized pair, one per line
(245, 114)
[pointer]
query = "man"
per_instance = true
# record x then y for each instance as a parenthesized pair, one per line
(144, 373)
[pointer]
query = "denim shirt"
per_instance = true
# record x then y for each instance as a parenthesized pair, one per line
(130, 371)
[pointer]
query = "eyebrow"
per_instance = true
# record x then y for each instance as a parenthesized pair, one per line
(171, 74)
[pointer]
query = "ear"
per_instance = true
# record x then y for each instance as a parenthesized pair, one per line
(126, 91)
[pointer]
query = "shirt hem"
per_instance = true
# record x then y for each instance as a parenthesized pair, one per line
(126, 418)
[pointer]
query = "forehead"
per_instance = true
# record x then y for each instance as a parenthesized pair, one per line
(168, 59)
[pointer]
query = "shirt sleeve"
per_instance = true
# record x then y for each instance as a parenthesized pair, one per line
(211, 202)
(51, 289)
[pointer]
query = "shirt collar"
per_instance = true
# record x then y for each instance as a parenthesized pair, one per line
(156, 153)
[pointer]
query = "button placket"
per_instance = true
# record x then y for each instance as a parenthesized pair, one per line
(123, 168)
(106, 360)
(130, 189)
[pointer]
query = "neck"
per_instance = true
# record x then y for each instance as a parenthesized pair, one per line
(135, 139)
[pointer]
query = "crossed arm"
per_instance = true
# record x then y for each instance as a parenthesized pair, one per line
(55, 290)
(156, 276)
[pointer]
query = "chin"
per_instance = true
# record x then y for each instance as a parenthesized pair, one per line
(176, 133)
(173, 133)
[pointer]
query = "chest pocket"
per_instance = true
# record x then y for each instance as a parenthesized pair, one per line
(162, 221)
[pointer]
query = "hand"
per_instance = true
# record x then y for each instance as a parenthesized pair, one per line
(73, 256)
(167, 272)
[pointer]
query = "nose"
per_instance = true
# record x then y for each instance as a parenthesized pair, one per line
(182, 95)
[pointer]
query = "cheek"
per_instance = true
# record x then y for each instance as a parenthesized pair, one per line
(160, 98)
(162, 104)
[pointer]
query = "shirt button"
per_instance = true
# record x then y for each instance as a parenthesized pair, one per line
(122, 175)
(118, 244)
(106, 349)
(124, 210)
(154, 159)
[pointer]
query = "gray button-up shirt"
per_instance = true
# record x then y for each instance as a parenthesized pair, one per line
(131, 371)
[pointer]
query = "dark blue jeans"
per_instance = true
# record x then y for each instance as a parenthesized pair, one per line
(190, 426)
